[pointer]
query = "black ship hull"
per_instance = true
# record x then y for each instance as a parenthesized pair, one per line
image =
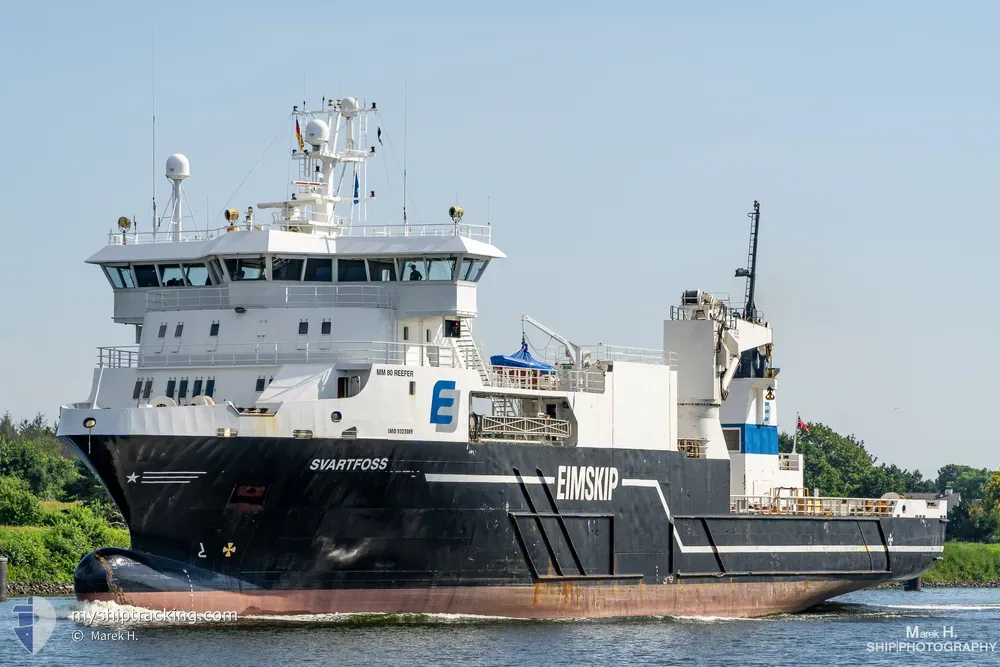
(289, 526)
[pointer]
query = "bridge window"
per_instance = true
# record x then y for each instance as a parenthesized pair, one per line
(162, 333)
(283, 268)
(303, 327)
(351, 271)
(182, 389)
(319, 270)
(120, 276)
(178, 330)
(413, 269)
(171, 385)
(382, 270)
(210, 387)
(214, 329)
(261, 383)
(247, 268)
(137, 391)
(326, 327)
(148, 389)
(145, 275)
(196, 389)
(197, 274)
(441, 268)
(171, 275)
(472, 269)
(217, 276)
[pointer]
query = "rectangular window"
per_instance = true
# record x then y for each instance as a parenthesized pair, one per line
(406, 333)
(197, 275)
(326, 327)
(148, 389)
(303, 327)
(210, 387)
(162, 333)
(471, 269)
(171, 386)
(178, 330)
(182, 389)
(247, 268)
(120, 276)
(319, 270)
(214, 329)
(137, 392)
(348, 386)
(196, 389)
(145, 276)
(351, 271)
(732, 436)
(261, 383)
(427, 335)
(453, 328)
(412, 269)
(171, 275)
(382, 270)
(286, 269)
(441, 268)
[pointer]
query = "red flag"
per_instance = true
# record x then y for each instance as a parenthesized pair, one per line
(802, 424)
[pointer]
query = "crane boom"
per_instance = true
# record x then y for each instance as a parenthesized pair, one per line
(572, 349)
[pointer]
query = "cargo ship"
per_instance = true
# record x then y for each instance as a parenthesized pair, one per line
(309, 424)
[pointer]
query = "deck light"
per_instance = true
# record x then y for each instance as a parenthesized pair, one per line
(240, 309)
(89, 422)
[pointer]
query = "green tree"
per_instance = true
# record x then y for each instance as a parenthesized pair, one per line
(968, 481)
(18, 506)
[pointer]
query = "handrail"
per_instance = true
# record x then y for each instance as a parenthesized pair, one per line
(482, 233)
(276, 354)
(270, 296)
(812, 506)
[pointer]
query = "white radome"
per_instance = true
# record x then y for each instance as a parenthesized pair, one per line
(317, 132)
(178, 167)
(349, 107)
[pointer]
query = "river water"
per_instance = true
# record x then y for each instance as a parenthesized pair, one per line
(869, 627)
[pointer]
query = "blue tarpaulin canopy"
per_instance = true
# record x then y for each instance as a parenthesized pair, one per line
(521, 359)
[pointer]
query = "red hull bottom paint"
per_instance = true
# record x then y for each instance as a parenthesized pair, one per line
(563, 600)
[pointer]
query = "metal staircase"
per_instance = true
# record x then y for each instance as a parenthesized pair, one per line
(472, 358)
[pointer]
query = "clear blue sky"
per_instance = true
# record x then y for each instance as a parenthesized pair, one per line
(620, 145)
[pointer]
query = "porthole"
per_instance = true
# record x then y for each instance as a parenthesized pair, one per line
(336, 416)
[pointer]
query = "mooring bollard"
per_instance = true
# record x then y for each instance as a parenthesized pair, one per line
(912, 585)
(3, 578)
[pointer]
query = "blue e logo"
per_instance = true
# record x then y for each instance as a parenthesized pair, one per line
(443, 402)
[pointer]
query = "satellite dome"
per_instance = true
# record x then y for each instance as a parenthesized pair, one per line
(317, 132)
(349, 107)
(178, 167)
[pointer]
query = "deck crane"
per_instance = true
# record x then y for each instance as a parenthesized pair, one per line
(572, 349)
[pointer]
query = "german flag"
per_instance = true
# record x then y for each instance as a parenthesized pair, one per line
(298, 135)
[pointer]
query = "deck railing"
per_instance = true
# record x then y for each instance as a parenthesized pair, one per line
(270, 296)
(482, 233)
(276, 354)
(809, 506)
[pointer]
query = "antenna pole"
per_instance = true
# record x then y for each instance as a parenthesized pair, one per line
(405, 230)
(152, 95)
